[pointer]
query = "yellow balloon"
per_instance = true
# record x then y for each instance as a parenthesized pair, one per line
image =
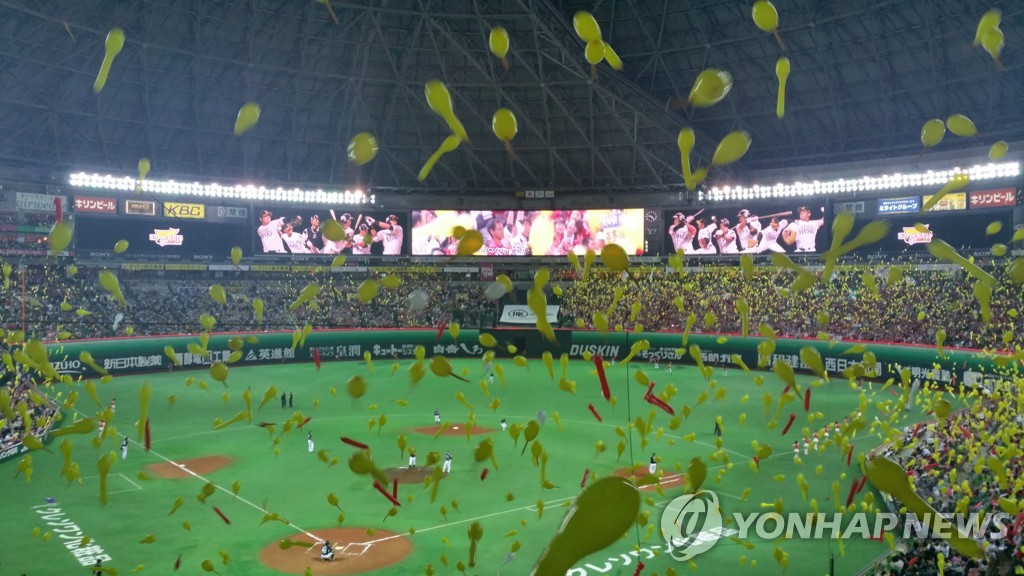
(144, 167)
(60, 236)
(586, 27)
(992, 42)
(362, 148)
(782, 72)
(112, 47)
(440, 101)
(731, 148)
(218, 295)
(120, 247)
(990, 20)
(686, 140)
(219, 371)
(710, 88)
(334, 231)
(594, 52)
(504, 124)
(932, 132)
(961, 126)
(615, 257)
(611, 56)
(248, 116)
(471, 242)
(998, 150)
(367, 290)
(766, 17)
(499, 42)
(450, 143)
(236, 255)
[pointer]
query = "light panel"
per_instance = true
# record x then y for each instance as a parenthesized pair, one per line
(213, 191)
(931, 178)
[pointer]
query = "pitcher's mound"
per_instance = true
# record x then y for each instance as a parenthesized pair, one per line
(355, 552)
(409, 475)
(203, 465)
(641, 474)
(454, 430)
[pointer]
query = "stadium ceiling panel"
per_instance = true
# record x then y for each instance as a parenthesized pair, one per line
(866, 75)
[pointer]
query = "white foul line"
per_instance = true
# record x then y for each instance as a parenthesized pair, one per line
(222, 489)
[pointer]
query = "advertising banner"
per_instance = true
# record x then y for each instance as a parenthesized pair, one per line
(28, 202)
(1003, 197)
(899, 205)
(226, 213)
(299, 231)
(951, 201)
(139, 208)
(850, 207)
(913, 233)
(184, 210)
(529, 233)
(487, 272)
(95, 204)
(754, 228)
(180, 238)
(520, 314)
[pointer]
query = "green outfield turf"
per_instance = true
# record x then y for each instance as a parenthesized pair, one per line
(295, 483)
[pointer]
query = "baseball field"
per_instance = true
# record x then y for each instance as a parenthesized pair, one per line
(250, 498)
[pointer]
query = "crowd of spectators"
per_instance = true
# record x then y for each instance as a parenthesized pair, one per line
(858, 304)
(942, 462)
(19, 388)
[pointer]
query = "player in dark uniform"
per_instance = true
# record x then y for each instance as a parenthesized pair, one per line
(314, 235)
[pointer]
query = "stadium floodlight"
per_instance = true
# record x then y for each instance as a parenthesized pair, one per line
(931, 178)
(236, 192)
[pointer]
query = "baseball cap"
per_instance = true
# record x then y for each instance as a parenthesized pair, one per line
(391, 217)
(678, 215)
(317, 216)
(743, 213)
(345, 216)
(266, 213)
(724, 221)
(803, 209)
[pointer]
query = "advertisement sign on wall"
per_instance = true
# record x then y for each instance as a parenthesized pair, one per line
(899, 205)
(520, 314)
(951, 201)
(139, 208)
(29, 202)
(1003, 197)
(184, 210)
(94, 204)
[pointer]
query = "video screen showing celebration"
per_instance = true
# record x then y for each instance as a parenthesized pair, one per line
(754, 229)
(529, 232)
(295, 230)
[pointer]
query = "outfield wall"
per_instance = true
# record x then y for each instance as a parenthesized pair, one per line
(140, 355)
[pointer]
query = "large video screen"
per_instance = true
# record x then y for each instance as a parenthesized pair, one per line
(157, 236)
(295, 230)
(962, 230)
(754, 228)
(529, 232)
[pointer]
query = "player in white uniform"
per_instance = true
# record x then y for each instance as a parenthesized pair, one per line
(653, 468)
(359, 243)
(391, 235)
(504, 425)
(412, 457)
(705, 238)
(796, 451)
(124, 448)
(447, 466)
(804, 231)
(296, 242)
(437, 416)
(747, 229)
(270, 232)
(725, 237)
(682, 232)
(770, 238)
(309, 441)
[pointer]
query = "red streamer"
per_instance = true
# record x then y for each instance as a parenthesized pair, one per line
(757, 461)
(786, 389)
(58, 208)
(639, 567)
(586, 474)
(853, 492)
(849, 456)
(599, 364)
(177, 563)
(792, 417)
(384, 492)
(594, 412)
(394, 488)
(440, 331)
(355, 443)
(807, 400)
(221, 514)
(265, 424)
(316, 359)
(654, 400)
(306, 421)
(147, 435)
(483, 474)
(893, 391)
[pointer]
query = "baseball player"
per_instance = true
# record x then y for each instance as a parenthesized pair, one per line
(682, 232)
(725, 237)
(747, 229)
(124, 448)
(360, 245)
(770, 237)
(837, 428)
(804, 231)
(504, 425)
(412, 457)
(326, 551)
(309, 441)
(705, 238)
(295, 242)
(653, 468)
(718, 428)
(814, 440)
(270, 232)
(391, 235)
(447, 466)
(437, 416)
(490, 379)
(807, 445)
(314, 235)
(113, 405)
(103, 425)
(796, 451)
(670, 367)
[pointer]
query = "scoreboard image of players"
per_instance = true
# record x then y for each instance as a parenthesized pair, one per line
(753, 228)
(285, 230)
